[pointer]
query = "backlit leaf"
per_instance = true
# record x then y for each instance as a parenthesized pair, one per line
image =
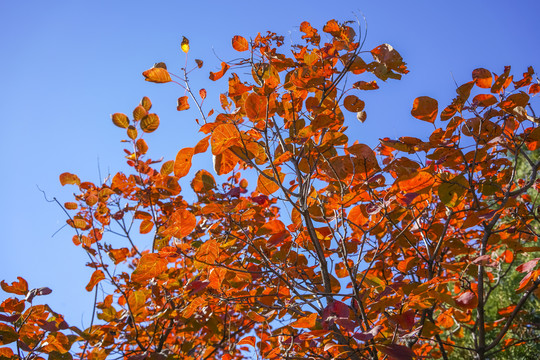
(482, 78)
(167, 167)
(157, 75)
(217, 75)
(146, 226)
(305, 322)
(184, 45)
(67, 178)
(223, 137)
(467, 300)
(150, 266)
(19, 287)
(182, 103)
(239, 43)
(7, 334)
(182, 163)
(528, 266)
(415, 182)
(146, 103)
(97, 276)
(183, 223)
(203, 181)
(132, 132)
(485, 100)
(202, 94)
(120, 120)
(425, 108)
(149, 123)
(365, 85)
(256, 106)
(353, 104)
(265, 183)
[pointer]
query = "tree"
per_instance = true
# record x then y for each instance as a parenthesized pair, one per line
(338, 251)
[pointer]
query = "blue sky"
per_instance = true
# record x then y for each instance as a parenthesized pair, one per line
(67, 65)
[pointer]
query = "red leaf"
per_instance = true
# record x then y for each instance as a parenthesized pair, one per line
(467, 300)
(528, 266)
(368, 335)
(397, 352)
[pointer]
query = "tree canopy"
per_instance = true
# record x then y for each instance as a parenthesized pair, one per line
(307, 243)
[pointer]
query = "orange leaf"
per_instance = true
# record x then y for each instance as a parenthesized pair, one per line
(142, 146)
(223, 137)
(97, 276)
(182, 103)
(150, 266)
(353, 104)
(482, 77)
(202, 94)
(208, 252)
(120, 120)
(216, 277)
(425, 108)
(70, 205)
(203, 181)
(306, 321)
(219, 74)
(132, 132)
(17, 287)
(183, 223)
(364, 85)
(139, 112)
(67, 178)
(239, 43)
(501, 82)
(267, 186)
(146, 103)
(415, 182)
(255, 107)
(202, 145)
(157, 75)
(182, 163)
(167, 167)
(247, 340)
(485, 100)
(149, 123)
(146, 226)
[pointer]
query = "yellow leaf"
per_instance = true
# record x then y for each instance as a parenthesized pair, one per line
(185, 44)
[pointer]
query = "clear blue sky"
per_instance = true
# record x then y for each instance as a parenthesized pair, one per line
(67, 65)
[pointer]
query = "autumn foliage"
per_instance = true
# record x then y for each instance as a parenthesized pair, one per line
(331, 249)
